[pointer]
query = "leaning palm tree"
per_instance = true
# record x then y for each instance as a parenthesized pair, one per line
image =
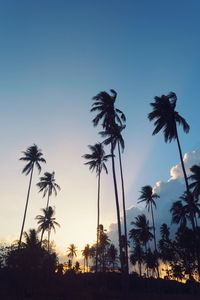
(104, 105)
(166, 117)
(47, 222)
(72, 251)
(47, 185)
(33, 157)
(96, 161)
(114, 135)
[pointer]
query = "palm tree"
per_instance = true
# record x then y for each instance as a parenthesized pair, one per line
(142, 230)
(47, 222)
(86, 255)
(31, 240)
(148, 196)
(166, 117)
(47, 185)
(112, 255)
(113, 135)
(185, 209)
(104, 105)
(96, 161)
(195, 184)
(33, 156)
(72, 251)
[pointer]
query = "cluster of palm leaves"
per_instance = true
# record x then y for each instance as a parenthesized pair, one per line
(33, 156)
(182, 253)
(113, 123)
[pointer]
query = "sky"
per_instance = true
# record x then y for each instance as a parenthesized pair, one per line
(54, 57)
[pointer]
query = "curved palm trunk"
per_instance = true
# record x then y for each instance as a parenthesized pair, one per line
(27, 199)
(98, 218)
(124, 211)
(117, 207)
(154, 238)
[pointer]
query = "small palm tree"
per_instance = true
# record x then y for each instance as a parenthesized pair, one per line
(195, 184)
(112, 255)
(33, 157)
(47, 222)
(86, 255)
(72, 251)
(31, 240)
(96, 161)
(185, 209)
(148, 196)
(47, 185)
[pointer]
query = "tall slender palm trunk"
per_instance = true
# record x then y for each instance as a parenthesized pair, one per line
(26, 206)
(98, 218)
(124, 211)
(48, 242)
(48, 197)
(154, 238)
(117, 208)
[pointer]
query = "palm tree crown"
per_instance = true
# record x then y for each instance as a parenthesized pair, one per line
(97, 158)
(148, 196)
(72, 251)
(104, 104)
(47, 184)
(47, 221)
(32, 155)
(166, 117)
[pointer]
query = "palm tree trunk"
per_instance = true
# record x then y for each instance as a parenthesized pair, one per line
(41, 237)
(124, 211)
(48, 200)
(49, 233)
(98, 218)
(27, 199)
(154, 237)
(117, 207)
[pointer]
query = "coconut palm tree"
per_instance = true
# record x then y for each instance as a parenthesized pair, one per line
(104, 104)
(148, 196)
(185, 209)
(97, 161)
(166, 117)
(195, 184)
(33, 157)
(72, 251)
(112, 255)
(47, 222)
(114, 135)
(47, 185)
(86, 255)
(30, 239)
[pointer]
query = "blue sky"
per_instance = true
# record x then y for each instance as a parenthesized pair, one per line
(54, 57)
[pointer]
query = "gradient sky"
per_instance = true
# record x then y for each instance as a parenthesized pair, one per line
(54, 57)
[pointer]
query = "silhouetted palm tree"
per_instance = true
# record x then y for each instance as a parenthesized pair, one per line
(141, 230)
(72, 251)
(148, 196)
(112, 255)
(166, 117)
(195, 184)
(185, 209)
(109, 115)
(47, 222)
(47, 185)
(30, 239)
(86, 255)
(113, 135)
(32, 156)
(96, 161)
